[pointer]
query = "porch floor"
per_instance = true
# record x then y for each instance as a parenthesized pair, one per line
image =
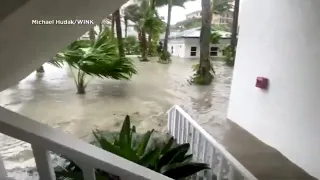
(261, 160)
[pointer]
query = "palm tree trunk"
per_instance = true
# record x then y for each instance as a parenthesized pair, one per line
(235, 28)
(119, 33)
(40, 69)
(166, 37)
(143, 44)
(150, 50)
(112, 23)
(125, 26)
(150, 37)
(205, 65)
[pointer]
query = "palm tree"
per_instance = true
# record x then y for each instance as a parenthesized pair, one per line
(165, 56)
(235, 28)
(204, 70)
(97, 56)
(145, 22)
(117, 18)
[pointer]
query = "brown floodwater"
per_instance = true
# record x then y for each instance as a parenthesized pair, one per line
(51, 99)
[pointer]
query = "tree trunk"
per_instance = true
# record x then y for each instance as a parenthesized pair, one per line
(166, 37)
(143, 44)
(150, 52)
(234, 34)
(203, 73)
(112, 23)
(40, 69)
(150, 37)
(119, 33)
(80, 88)
(125, 26)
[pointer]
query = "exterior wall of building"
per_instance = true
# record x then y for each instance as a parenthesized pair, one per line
(287, 115)
(176, 47)
(196, 14)
(188, 43)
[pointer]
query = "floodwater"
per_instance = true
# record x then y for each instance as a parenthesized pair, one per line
(51, 99)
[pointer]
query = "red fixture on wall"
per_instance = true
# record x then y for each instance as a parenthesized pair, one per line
(262, 82)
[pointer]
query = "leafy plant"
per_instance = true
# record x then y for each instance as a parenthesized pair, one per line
(215, 37)
(131, 45)
(228, 56)
(167, 158)
(97, 56)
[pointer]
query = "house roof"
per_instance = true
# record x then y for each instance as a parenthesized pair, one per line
(194, 33)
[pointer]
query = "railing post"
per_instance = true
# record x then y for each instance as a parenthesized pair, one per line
(222, 164)
(88, 172)
(3, 172)
(43, 163)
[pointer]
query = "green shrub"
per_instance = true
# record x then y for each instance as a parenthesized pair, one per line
(163, 156)
(228, 56)
(131, 45)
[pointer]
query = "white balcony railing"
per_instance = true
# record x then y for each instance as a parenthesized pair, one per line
(205, 149)
(44, 139)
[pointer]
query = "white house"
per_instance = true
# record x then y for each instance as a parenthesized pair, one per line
(186, 44)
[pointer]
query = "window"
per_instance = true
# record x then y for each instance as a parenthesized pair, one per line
(214, 51)
(193, 51)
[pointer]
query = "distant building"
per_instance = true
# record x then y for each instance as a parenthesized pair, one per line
(195, 14)
(222, 19)
(217, 19)
(186, 44)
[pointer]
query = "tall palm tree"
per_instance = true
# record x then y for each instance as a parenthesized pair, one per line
(204, 70)
(235, 28)
(117, 18)
(145, 23)
(165, 56)
(96, 57)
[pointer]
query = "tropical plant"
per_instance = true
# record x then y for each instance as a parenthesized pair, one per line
(215, 37)
(203, 74)
(166, 158)
(228, 55)
(97, 56)
(146, 21)
(131, 45)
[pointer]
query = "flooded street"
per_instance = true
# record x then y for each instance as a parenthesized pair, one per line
(52, 99)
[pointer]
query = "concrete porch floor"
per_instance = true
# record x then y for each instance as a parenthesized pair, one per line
(263, 161)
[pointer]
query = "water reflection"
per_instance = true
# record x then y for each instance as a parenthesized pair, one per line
(52, 99)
